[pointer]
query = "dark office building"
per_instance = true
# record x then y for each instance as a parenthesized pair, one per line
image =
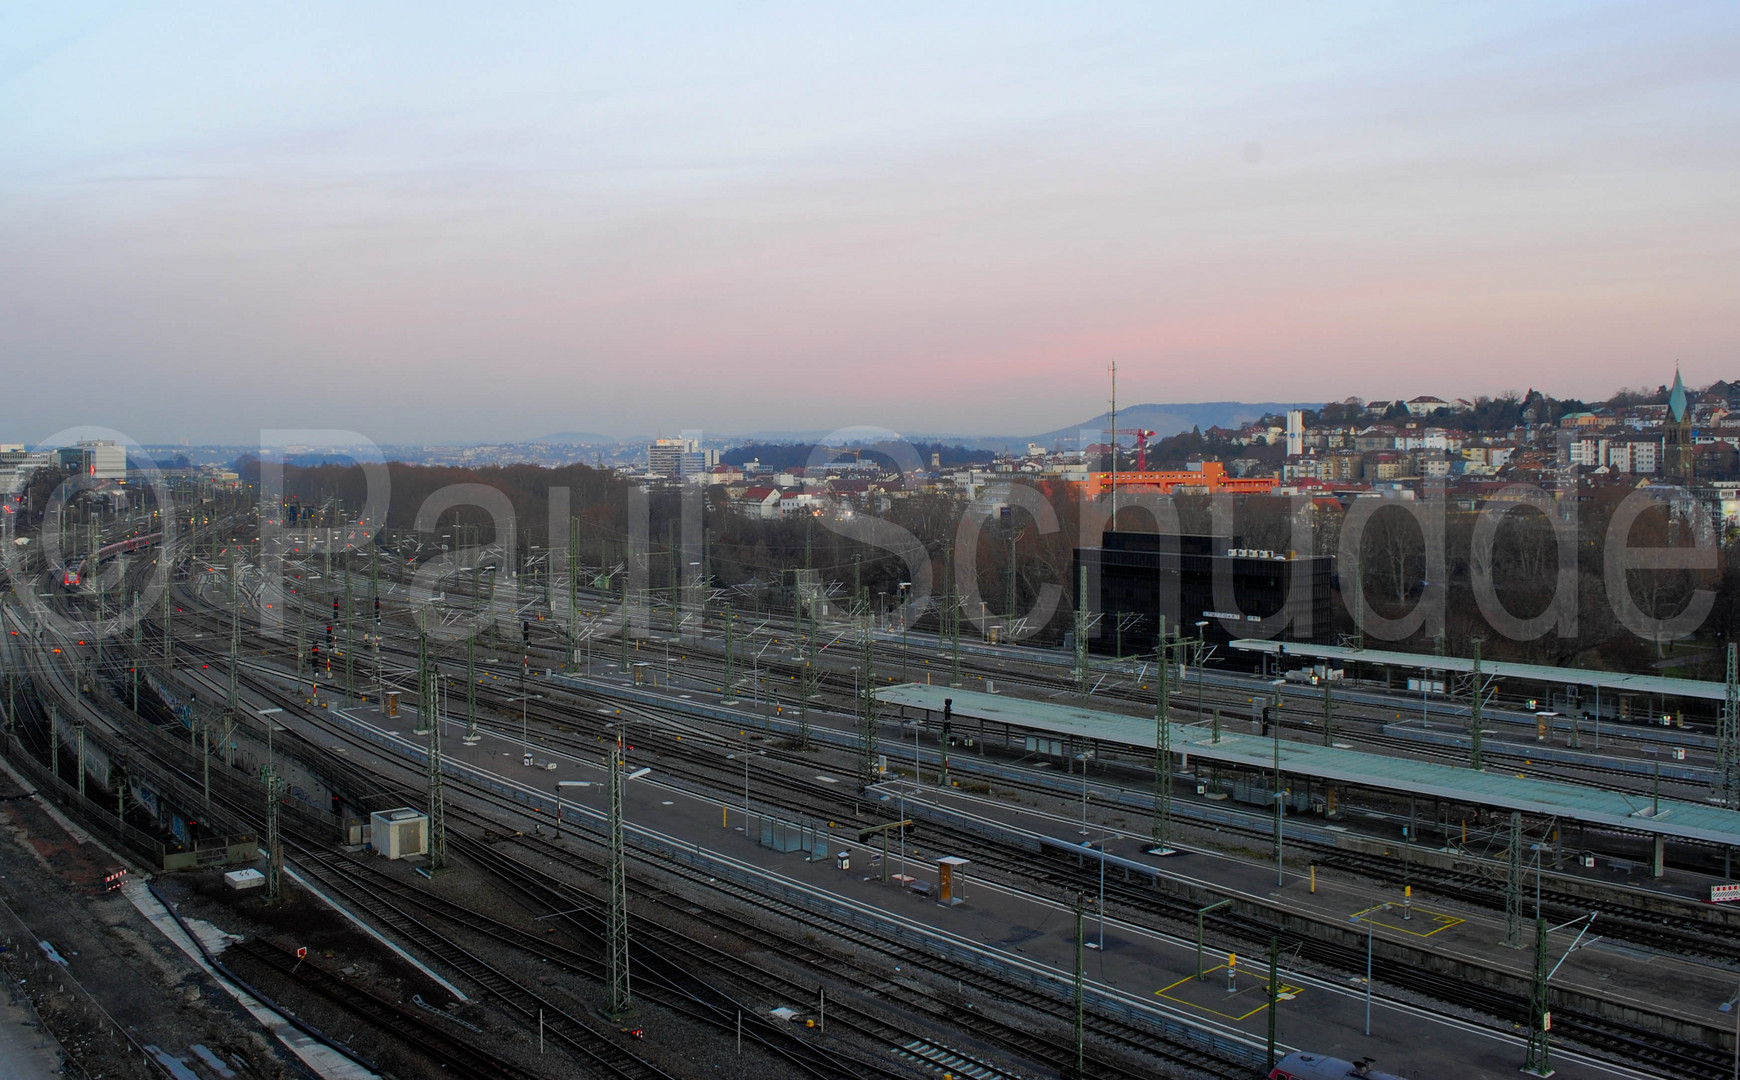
(1140, 577)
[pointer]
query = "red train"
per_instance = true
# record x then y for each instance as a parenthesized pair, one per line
(77, 571)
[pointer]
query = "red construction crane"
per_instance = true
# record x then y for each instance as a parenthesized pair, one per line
(1142, 436)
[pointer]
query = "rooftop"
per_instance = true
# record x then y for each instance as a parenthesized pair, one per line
(1462, 665)
(1497, 788)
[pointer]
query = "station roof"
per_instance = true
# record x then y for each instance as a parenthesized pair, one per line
(1462, 665)
(1494, 787)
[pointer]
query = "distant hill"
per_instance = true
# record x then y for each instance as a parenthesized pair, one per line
(1166, 420)
(576, 438)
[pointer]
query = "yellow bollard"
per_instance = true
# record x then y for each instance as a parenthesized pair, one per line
(1313, 878)
(723, 824)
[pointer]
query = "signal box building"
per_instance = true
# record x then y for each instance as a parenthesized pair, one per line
(1239, 592)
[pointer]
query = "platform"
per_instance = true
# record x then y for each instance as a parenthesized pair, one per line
(1495, 788)
(1620, 681)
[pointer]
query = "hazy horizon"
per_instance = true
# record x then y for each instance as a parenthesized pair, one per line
(460, 225)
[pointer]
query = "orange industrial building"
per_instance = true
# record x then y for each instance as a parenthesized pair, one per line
(1212, 479)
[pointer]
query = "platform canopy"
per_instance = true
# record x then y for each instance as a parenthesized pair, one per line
(1494, 787)
(1500, 669)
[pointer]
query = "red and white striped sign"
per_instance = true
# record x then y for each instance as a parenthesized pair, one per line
(1721, 894)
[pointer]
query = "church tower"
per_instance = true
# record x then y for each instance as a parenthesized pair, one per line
(1679, 432)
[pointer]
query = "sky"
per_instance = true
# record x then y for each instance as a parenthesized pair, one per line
(432, 223)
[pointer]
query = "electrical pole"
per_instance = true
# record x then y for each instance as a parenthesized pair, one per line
(1080, 994)
(133, 668)
(954, 616)
(349, 628)
(437, 799)
(1009, 597)
(1539, 1061)
(274, 843)
(425, 684)
(1474, 702)
(1114, 426)
(1274, 992)
(807, 619)
(867, 719)
(1162, 750)
(1328, 711)
(625, 578)
(118, 781)
(1513, 885)
(1728, 738)
(671, 549)
(1280, 793)
(235, 632)
(730, 652)
(301, 646)
(1359, 600)
(618, 1002)
(1081, 672)
(471, 737)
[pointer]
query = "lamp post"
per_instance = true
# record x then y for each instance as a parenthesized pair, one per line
(747, 754)
(1099, 847)
(1280, 792)
(905, 623)
(1201, 658)
(1362, 917)
(525, 728)
(1730, 1006)
(560, 784)
(1083, 758)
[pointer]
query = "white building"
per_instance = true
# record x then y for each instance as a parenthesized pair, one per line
(679, 458)
(104, 460)
(1426, 405)
(17, 464)
(1589, 451)
(1635, 456)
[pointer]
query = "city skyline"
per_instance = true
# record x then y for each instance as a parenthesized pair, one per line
(458, 229)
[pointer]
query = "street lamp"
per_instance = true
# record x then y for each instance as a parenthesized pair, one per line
(1099, 846)
(746, 756)
(560, 784)
(1280, 792)
(1729, 1006)
(525, 727)
(1361, 917)
(1201, 658)
(905, 623)
(1083, 758)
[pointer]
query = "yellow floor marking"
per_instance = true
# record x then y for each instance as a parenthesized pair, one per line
(1423, 917)
(1284, 993)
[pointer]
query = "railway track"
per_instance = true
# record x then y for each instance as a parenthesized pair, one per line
(1630, 1044)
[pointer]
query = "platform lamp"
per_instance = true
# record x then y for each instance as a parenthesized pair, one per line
(560, 784)
(1733, 1005)
(1201, 657)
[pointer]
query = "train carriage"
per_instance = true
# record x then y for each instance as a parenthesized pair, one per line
(1303, 1066)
